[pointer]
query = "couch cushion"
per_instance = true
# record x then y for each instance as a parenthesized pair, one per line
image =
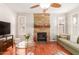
(64, 36)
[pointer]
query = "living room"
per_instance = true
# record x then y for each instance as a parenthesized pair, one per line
(53, 31)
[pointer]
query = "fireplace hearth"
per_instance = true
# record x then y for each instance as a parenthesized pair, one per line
(42, 36)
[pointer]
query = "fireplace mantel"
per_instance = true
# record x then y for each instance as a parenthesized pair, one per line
(41, 26)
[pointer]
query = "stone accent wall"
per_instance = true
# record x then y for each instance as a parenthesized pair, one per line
(42, 24)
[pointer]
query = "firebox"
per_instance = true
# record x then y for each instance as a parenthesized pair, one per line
(41, 36)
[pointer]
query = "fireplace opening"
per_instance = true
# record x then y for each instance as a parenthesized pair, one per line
(41, 36)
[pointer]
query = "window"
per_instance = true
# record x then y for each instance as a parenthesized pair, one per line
(75, 19)
(61, 25)
(74, 22)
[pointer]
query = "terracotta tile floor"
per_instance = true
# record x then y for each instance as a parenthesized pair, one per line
(38, 49)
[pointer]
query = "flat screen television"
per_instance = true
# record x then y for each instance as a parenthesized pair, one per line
(4, 28)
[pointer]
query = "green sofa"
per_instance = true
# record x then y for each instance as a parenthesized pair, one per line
(68, 45)
(64, 40)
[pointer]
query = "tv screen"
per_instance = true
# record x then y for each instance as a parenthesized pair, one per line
(4, 28)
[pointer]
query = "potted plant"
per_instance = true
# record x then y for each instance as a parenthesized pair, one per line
(27, 36)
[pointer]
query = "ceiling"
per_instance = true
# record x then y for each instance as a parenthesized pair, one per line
(25, 8)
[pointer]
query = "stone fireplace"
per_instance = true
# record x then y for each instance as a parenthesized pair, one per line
(42, 27)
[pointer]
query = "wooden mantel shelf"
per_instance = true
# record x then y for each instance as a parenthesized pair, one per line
(41, 26)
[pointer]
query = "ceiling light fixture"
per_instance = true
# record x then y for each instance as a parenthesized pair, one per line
(45, 5)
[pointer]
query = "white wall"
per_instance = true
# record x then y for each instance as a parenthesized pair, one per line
(53, 27)
(7, 15)
(73, 33)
